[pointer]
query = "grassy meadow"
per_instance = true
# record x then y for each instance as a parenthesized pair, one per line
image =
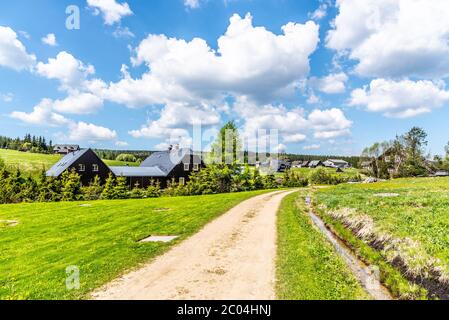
(349, 173)
(405, 221)
(101, 239)
(33, 163)
(308, 268)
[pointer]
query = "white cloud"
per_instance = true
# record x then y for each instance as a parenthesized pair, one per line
(6, 97)
(280, 148)
(25, 34)
(320, 12)
(112, 11)
(313, 99)
(329, 123)
(79, 103)
(13, 53)
(295, 138)
(82, 131)
(50, 39)
(331, 84)
(192, 4)
(401, 99)
(70, 71)
(312, 147)
(121, 32)
(42, 114)
(292, 124)
(121, 144)
(394, 38)
(174, 120)
(249, 61)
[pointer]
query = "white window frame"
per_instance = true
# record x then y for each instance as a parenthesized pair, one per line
(182, 181)
(95, 168)
(81, 167)
(186, 167)
(196, 167)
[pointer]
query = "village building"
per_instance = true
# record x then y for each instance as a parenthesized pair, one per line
(65, 148)
(166, 166)
(274, 166)
(315, 164)
(296, 164)
(85, 162)
(336, 163)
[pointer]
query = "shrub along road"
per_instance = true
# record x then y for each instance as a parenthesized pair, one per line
(233, 257)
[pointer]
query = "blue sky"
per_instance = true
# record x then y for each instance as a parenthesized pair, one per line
(331, 77)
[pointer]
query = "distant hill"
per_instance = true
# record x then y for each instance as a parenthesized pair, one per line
(34, 163)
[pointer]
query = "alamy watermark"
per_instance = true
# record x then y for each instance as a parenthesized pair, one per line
(72, 281)
(73, 20)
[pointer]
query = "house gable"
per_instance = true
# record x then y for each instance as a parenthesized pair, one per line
(85, 162)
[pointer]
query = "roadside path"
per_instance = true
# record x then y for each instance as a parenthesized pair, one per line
(233, 257)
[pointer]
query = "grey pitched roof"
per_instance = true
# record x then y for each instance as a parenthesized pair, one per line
(167, 160)
(74, 146)
(138, 172)
(65, 163)
(314, 163)
(338, 161)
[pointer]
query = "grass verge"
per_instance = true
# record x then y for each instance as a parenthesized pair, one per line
(101, 239)
(307, 266)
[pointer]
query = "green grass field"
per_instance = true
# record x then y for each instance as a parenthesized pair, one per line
(33, 163)
(100, 239)
(350, 173)
(307, 266)
(407, 220)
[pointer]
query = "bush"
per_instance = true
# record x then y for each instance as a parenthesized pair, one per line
(126, 157)
(320, 176)
(294, 179)
(154, 190)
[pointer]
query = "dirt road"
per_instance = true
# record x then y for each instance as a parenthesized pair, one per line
(232, 257)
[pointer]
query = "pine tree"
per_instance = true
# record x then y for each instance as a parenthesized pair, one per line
(30, 190)
(94, 190)
(121, 189)
(154, 190)
(71, 186)
(108, 190)
(257, 180)
(136, 192)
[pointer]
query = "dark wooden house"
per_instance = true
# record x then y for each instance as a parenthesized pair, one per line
(85, 162)
(166, 166)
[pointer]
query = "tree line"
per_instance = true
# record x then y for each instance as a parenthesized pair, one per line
(214, 179)
(35, 144)
(404, 156)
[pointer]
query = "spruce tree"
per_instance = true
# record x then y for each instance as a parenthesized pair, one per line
(71, 186)
(108, 190)
(121, 189)
(257, 180)
(136, 192)
(94, 190)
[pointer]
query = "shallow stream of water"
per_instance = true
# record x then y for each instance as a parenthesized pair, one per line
(368, 276)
